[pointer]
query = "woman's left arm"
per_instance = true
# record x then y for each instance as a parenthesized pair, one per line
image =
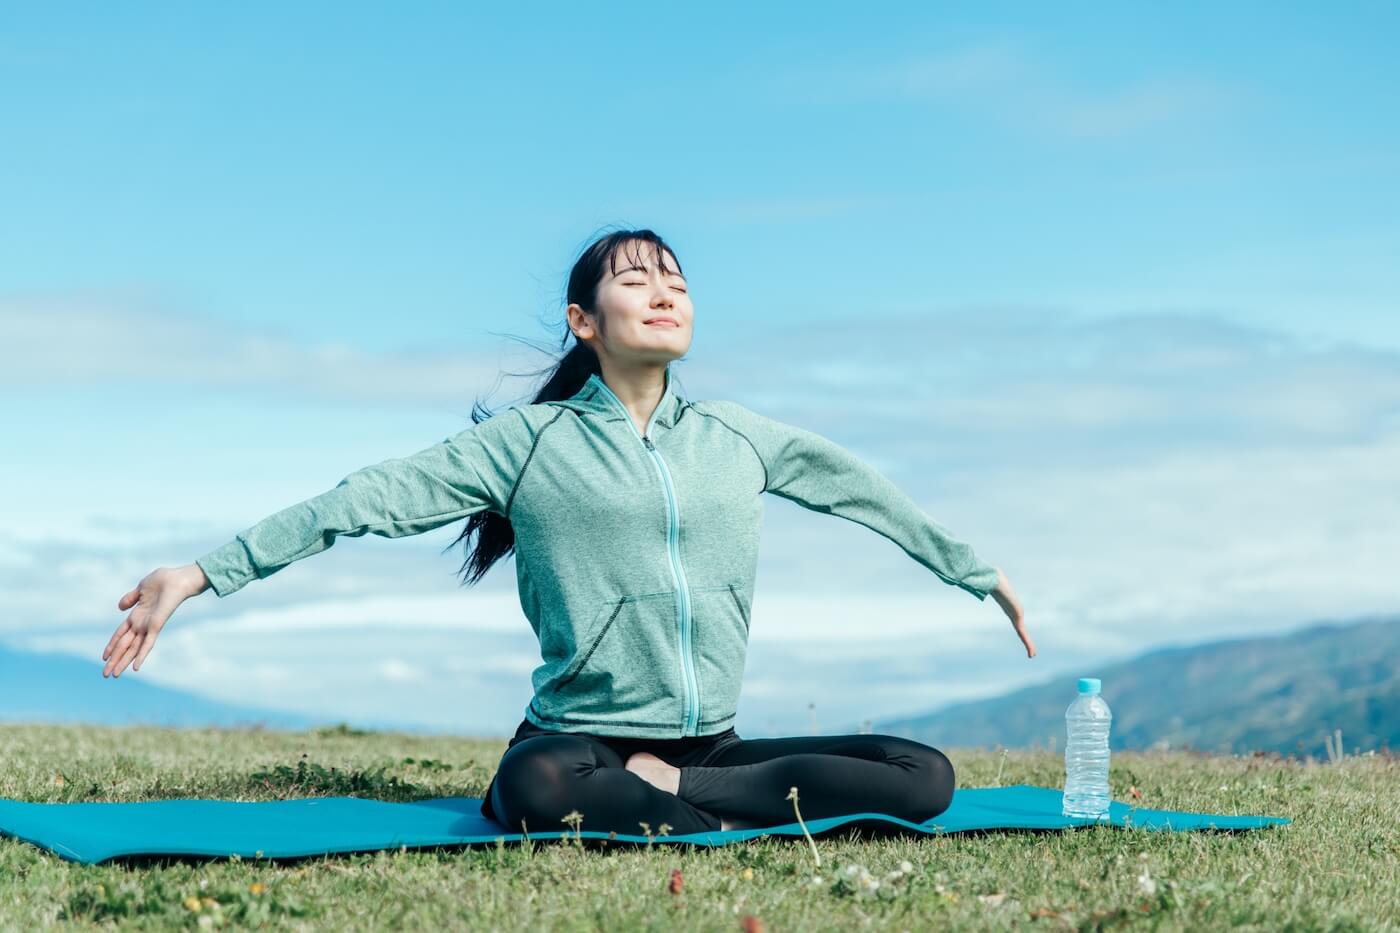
(821, 475)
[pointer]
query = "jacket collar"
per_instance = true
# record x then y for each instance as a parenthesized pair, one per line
(595, 398)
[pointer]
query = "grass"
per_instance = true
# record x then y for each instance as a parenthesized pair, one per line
(1336, 867)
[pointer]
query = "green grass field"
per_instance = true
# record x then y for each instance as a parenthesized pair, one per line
(1336, 867)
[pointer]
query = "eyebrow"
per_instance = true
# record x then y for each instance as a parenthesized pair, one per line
(642, 269)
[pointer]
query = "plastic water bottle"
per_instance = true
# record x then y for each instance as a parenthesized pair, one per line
(1087, 722)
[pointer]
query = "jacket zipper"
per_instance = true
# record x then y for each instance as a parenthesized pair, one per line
(673, 538)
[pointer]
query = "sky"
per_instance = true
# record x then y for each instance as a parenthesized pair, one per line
(1109, 289)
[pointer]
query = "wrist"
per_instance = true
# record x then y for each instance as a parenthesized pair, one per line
(193, 578)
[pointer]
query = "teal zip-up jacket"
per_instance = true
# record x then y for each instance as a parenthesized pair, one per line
(636, 552)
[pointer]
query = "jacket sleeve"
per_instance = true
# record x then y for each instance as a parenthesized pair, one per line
(821, 475)
(469, 472)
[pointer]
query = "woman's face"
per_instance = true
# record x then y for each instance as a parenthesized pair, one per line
(647, 310)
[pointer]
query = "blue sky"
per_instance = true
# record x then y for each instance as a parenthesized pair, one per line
(1110, 289)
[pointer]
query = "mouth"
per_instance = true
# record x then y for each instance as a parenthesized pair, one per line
(660, 322)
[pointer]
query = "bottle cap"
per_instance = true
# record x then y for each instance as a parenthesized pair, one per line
(1089, 685)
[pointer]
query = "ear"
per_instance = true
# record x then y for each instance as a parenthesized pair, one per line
(579, 321)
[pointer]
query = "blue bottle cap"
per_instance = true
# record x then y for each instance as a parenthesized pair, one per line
(1089, 685)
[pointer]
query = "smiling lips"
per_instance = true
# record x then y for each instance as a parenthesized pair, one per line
(661, 321)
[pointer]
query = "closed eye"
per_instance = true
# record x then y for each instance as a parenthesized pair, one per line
(676, 287)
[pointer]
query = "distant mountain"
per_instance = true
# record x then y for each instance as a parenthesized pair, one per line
(51, 688)
(1281, 693)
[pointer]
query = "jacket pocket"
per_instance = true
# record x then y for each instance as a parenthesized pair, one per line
(721, 632)
(607, 614)
(743, 609)
(626, 666)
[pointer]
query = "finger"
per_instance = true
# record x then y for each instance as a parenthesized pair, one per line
(147, 644)
(129, 600)
(111, 642)
(110, 655)
(124, 657)
(114, 664)
(1020, 627)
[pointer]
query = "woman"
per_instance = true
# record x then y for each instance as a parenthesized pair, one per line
(634, 514)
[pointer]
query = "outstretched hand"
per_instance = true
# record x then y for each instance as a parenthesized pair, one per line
(158, 595)
(1006, 598)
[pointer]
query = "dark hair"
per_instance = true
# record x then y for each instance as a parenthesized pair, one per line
(495, 538)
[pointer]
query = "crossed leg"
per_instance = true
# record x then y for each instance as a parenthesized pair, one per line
(747, 783)
(835, 775)
(543, 777)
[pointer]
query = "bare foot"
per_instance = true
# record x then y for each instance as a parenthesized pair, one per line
(667, 777)
(655, 771)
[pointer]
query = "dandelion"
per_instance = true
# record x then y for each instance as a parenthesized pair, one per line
(256, 887)
(857, 878)
(746, 874)
(1145, 883)
(574, 819)
(792, 795)
(191, 903)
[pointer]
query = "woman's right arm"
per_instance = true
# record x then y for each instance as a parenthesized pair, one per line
(467, 473)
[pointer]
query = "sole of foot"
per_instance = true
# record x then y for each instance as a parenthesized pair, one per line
(655, 771)
(668, 777)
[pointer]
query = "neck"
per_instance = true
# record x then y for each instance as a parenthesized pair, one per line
(638, 388)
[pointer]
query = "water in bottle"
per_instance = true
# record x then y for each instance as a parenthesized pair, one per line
(1087, 722)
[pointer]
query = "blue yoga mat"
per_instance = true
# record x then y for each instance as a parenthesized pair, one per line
(93, 832)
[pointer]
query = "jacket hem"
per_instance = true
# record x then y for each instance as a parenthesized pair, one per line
(623, 727)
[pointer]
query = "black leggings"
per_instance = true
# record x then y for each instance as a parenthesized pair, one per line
(545, 774)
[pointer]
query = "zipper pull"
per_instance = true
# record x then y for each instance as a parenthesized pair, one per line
(646, 440)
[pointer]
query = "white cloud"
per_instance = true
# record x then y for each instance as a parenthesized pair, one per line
(1005, 79)
(399, 671)
(491, 611)
(96, 339)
